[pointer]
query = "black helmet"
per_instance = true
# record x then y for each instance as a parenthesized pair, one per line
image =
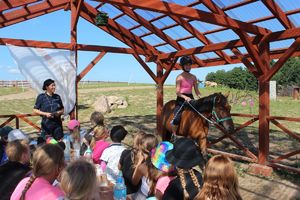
(184, 60)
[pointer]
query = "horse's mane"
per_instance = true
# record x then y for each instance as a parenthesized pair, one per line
(205, 104)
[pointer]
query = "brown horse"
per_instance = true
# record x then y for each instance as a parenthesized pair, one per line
(195, 119)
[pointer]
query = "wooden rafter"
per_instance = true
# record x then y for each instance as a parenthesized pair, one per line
(67, 46)
(30, 12)
(10, 4)
(90, 66)
(190, 13)
(156, 31)
(277, 11)
(76, 16)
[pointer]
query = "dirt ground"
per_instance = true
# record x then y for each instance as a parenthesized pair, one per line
(280, 186)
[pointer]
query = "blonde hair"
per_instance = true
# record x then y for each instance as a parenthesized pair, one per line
(153, 175)
(183, 181)
(100, 132)
(149, 142)
(137, 142)
(220, 180)
(79, 180)
(47, 160)
(16, 149)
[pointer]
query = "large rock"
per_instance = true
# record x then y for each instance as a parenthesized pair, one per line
(101, 105)
(106, 104)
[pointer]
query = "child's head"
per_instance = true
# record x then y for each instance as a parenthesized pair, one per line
(73, 125)
(149, 142)
(137, 140)
(47, 161)
(220, 179)
(4, 133)
(97, 119)
(100, 133)
(79, 180)
(118, 133)
(18, 151)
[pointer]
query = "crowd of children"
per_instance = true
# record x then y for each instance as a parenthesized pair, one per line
(151, 169)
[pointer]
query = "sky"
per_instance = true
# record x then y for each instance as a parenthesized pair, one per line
(112, 67)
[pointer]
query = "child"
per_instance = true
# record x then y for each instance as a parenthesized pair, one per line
(98, 143)
(16, 168)
(220, 180)
(160, 171)
(184, 156)
(96, 119)
(141, 169)
(126, 163)
(79, 181)
(111, 155)
(47, 163)
(3, 142)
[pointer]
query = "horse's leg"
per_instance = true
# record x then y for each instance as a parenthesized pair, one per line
(202, 141)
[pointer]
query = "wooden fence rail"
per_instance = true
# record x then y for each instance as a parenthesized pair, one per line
(249, 156)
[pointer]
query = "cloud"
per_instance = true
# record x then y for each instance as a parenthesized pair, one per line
(13, 71)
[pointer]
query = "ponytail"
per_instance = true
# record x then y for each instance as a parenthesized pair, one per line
(27, 186)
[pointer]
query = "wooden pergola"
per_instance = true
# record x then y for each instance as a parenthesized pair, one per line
(252, 35)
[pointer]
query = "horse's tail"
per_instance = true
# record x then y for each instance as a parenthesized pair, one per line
(167, 111)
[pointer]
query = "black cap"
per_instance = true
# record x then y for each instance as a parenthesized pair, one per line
(47, 83)
(184, 60)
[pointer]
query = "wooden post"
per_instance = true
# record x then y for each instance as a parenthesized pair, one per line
(264, 128)
(74, 19)
(159, 98)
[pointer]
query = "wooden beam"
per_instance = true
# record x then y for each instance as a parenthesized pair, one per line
(90, 66)
(115, 29)
(146, 68)
(190, 13)
(198, 35)
(275, 36)
(155, 30)
(29, 10)
(76, 15)
(278, 13)
(9, 4)
(282, 60)
(67, 46)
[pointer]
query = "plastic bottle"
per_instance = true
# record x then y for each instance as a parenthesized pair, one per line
(120, 188)
(76, 147)
(88, 154)
(67, 150)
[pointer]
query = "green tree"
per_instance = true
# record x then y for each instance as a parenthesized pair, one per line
(289, 73)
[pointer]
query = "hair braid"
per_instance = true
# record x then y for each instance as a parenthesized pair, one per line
(194, 179)
(27, 186)
(183, 183)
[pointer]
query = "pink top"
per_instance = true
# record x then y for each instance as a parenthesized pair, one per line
(186, 86)
(163, 182)
(98, 150)
(40, 189)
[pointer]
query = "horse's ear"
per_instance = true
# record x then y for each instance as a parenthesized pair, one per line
(226, 95)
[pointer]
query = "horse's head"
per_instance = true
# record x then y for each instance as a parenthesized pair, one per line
(221, 111)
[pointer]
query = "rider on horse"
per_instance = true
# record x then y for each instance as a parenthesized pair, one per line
(185, 82)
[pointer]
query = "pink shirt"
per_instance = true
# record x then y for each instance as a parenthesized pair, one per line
(163, 182)
(186, 86)
(98, 149)
(40, 189)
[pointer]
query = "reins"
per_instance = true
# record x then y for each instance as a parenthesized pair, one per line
(213, 112)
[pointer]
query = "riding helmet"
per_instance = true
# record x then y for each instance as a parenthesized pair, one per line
(184, 60)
